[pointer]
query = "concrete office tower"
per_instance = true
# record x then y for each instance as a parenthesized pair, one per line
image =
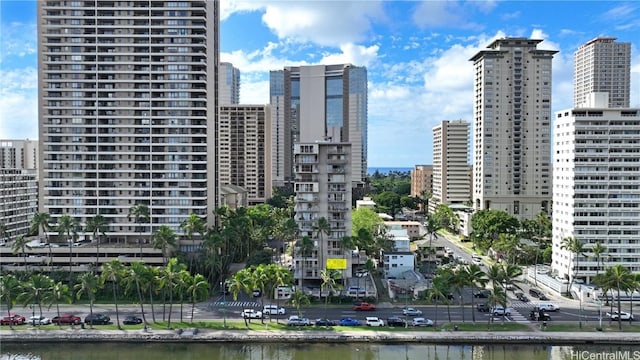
(603, 65)
(450, 163)
(18, 154)
(314, 103)
(322, 190)
(244, 150)
(422, 180)
(596, 187)
(228, 84)
(512, 127)
(127, 111)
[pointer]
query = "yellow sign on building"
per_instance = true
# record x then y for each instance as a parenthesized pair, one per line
(336, 264)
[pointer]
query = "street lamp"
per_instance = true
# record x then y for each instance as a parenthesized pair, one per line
(224, 303)
(580, 298)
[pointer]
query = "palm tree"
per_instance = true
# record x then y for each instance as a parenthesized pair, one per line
(241, 281)
(4, 234)
(322, 228)
(328, 284)
(164, 238)
(459, 280)
(42, 221)
(198, 290)
(20, 247)
(113, 271)
(34, 290)
(10, 287)
(68, 226)
(193, 224)
(346, 245)
(278, 276)
(88, 284)
(620, 278)
(439, 290)
(597, 251)
(59, 293)
(97, 225)
(495, 275)
(305, 248)
(183, 281)
(153, 287)
(576, 248)
(478, 280)
(141, 215)
(169, 281)
(138, 275)
(298, 300)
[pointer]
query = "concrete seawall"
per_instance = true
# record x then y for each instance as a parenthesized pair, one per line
(270, 336)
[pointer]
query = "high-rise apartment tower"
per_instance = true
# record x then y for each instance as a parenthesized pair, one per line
(512, 127)
(228, 84)
(450, 163)
(603, 65)
(127, 111)
(318, 103)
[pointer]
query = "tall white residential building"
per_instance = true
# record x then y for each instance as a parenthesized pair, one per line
(322, 190)
(18, 187)
(244, 150)
(228, 84)
(512, 127)
(127, 110)
(603, 65)
(451, 163)
(314, 103)
(596, 186)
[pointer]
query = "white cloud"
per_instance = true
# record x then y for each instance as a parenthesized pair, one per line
(353, 54)
(18, 40)
(19, 104)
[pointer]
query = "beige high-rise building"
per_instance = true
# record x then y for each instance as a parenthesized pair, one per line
(18, 154)
(450, 163)
(244, 150)
(322, 190)
(314, 103)
(127, 111)
(228, 84)
(603, 65)
(422, 180)
(512, 127)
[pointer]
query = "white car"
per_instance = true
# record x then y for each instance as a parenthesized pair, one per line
(298, 321)
(374, 321)
(500, 311)
(419, 321)
(39, 320)
(251, 314)
(622, 315)
(273, 310)
(411, 311)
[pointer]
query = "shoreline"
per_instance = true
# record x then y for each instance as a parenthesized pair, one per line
(270, 336)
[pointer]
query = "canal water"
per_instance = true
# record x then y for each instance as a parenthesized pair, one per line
(259, 351)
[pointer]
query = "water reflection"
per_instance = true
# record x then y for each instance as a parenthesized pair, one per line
(364, 351)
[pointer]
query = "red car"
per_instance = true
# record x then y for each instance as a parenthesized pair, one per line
(67, 319)
(363, 306)
(12, 319)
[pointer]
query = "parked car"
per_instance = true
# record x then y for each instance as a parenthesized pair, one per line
(66, 319)
(273, 310)
(622, 315)
(97, 319)
(349, 322)
(396, 322)
(411, 311)
(522, 297)
(362, 273)
(482, 293)
(257, 293)
(251, 314)
(132, 320)
(537, 294)
(483, 307)
(363, 306)
(325, 322)
(298, 321)
(421, 322)
(39, 320)
(499, 310)
(12, 319)
(374, 321)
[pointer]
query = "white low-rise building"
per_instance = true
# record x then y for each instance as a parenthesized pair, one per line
(396, 263)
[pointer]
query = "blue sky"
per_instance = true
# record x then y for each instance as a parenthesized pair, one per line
(416, 54)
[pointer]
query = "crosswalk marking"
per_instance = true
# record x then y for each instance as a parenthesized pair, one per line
(243, 304)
